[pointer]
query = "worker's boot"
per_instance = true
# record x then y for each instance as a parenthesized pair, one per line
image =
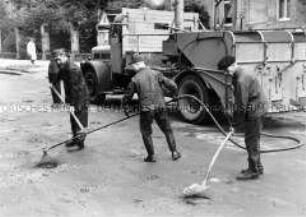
(81, 145)
(261, 171)
(249, 169)
(147, 140)
(71, 143)
(150, 159)
(176, 155)
(249, 175)
(81, 140)
(253, 172)
(172, 146)
(77, 143)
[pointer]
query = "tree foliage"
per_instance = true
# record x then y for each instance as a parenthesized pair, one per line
(58, 15)
(3, 14)
(118, 4)
(197, 6)
(6, 20)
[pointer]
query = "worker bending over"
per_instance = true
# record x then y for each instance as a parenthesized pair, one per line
(249, 107)
(77, 95)
(148, 85)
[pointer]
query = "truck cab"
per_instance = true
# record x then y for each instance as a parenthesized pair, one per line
(119, 36)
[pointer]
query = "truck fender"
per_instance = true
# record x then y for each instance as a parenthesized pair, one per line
(98, 76)
(215, 81)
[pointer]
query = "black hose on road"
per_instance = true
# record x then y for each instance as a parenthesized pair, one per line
(220, 128)
(90, 131)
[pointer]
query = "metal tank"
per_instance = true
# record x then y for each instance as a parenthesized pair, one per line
(278, 58)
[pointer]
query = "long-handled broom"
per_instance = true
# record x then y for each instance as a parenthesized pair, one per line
(70, 111)
(46, 161)
(198, 190)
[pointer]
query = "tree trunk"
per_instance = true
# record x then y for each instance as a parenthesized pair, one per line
(17, 39)
(74, 37)
(45, 41)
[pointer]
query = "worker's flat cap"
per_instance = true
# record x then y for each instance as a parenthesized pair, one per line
(136, 58)
(58, 52)
(226, 62)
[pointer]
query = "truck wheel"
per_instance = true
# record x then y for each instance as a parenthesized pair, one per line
(92, 82)
(190, 110)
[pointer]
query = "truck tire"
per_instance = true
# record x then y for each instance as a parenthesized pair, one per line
(92, 82)
(189, 109)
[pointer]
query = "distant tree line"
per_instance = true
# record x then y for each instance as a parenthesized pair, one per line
(69, 23)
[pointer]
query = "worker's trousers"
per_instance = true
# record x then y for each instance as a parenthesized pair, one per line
(161, 118)
(81, 112)
(252, 141)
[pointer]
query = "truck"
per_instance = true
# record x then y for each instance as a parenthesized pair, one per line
(190, 58)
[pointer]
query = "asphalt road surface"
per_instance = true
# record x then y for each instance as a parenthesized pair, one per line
(109, 177)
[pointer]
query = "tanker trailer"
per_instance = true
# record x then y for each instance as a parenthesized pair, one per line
(276, 57)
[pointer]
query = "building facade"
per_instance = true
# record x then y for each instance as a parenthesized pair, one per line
(256, 14)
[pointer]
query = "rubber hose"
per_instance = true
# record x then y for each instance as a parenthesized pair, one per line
(221, 129)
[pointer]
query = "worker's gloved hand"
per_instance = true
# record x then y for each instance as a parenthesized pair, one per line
(71, 108)
(229, 114)
(127, 111)
(232, 129)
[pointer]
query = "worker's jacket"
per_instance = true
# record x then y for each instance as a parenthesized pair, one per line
(53, 72)
(149, 85)
(250, 101)
(76, 89)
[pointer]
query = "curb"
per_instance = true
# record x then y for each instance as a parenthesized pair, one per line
(9, 72)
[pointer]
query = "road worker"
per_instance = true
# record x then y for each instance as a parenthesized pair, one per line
(148, 85)
(249, 107)
(77, 95)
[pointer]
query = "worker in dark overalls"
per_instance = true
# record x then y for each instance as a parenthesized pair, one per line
(148, 85)
(249, 107)
(77, 95)
(53, 76)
